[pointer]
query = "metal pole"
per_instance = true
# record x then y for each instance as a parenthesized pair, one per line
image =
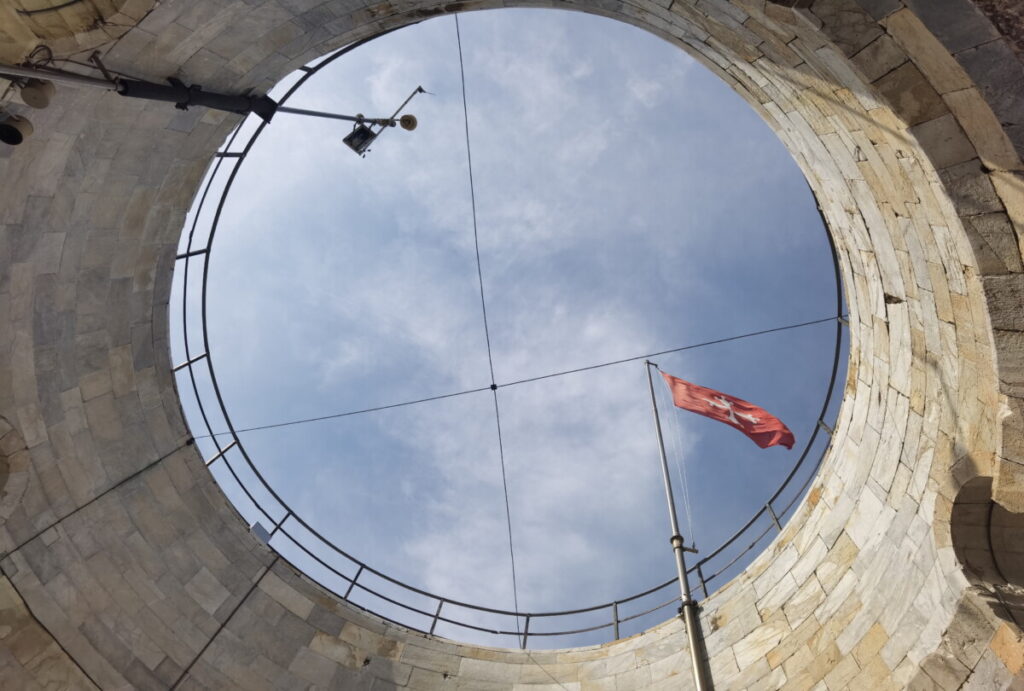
(417, 90)
(383, 122)
(689, 607)
(175, 91)
(58, 76)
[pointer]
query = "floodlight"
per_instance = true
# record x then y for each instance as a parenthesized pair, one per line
(14, 129)
(37, 93)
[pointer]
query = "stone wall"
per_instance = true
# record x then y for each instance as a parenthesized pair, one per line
(70, 29)
(1008, 18)
(126, 566)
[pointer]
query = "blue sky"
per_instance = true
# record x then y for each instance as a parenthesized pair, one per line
(628, 202)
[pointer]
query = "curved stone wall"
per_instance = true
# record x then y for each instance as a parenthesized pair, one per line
(124, 566)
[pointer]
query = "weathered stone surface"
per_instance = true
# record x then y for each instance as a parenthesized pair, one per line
(879, 57)
(999, 76)
(906, 117)
(958, 24)
(880, 8)
(946, 138)
(976, 117)
(971, 189)
(930, 56)
(1006, 644)
(912, 97)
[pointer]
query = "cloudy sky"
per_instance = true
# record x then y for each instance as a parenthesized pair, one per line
(627, 202)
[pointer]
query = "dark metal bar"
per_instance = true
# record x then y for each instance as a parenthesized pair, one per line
(455, 622)
(352, 583)
(811, 439)
(433, 624)
(663, 605)
(392, 601)
(245, 490)
(59, 76)
(220, 454)
(735, 559)
(174, 91)
(316, 557)
(384, 122)
(192, 253)
(228, 154)
(570, 632)
(614, 625)
(183, 96)
(95, 59)
(526, 632)
(824, 426)
(807, 483)
(703, 583)
(775, 519)
(185, 364)
(277, 526)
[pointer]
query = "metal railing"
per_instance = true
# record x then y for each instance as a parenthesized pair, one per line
(349, 577)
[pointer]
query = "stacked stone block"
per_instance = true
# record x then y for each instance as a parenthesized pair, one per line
(126, 566)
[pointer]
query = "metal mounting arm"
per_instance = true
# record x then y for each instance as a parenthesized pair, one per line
(183, 96)
(175, 91)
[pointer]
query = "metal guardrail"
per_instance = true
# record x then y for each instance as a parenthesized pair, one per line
(287, 525)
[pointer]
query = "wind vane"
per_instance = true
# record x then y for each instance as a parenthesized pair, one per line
(363, 133)
(361, 136)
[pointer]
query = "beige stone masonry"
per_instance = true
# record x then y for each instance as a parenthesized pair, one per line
(125, 567)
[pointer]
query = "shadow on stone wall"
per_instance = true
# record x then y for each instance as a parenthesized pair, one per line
(13, 468)
(986, 540)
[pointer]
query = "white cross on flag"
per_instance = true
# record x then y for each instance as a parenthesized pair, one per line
(762, 427)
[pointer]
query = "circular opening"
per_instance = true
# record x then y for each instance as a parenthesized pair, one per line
(627, 204)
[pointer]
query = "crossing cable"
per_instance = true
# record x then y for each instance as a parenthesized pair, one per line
(350, 413)
(472, 201)
(487, 332)
(669, 351)
(490, 358)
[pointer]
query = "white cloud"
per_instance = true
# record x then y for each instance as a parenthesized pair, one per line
(648, 92)
(597, 176)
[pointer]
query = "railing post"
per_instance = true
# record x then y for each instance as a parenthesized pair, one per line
(828, 430)
(700, 576)
(193, 253)
(775, 519)
(185, 364)
(615, 618)
(220, 454)
(437, 613)
(526, 631)
(352, 584)
(277, 526)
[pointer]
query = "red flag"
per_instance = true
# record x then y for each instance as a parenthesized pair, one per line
(762, 427)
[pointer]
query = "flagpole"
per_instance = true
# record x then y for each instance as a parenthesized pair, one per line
(689, 607)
